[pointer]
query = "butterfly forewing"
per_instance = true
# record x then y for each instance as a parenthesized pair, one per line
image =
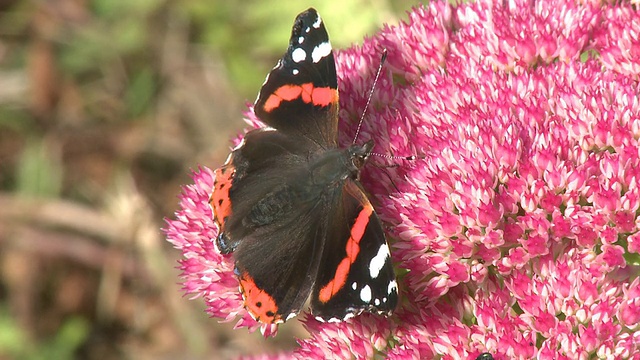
(355, 274)
(300, 94)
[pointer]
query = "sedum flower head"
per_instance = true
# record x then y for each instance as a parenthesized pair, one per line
(518, 233)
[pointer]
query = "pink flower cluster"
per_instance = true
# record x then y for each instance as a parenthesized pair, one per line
(518, 234)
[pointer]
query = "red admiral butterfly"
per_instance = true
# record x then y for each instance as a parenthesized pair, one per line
(288, 202)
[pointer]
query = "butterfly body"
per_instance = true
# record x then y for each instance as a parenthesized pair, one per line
(288, 201)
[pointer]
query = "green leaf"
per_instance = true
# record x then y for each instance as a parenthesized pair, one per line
(39, 170)
(140, 92)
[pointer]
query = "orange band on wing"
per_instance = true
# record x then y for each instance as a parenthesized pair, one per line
(318, 96)
(324, 96)
(219, 200)
(352, 248)
(260, 305)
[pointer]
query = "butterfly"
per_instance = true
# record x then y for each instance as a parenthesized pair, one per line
(288, 202)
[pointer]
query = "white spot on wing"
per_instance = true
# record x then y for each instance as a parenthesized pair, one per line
(365, 294)
(298, 55)
(376, 302)
(393, 287)
(317, 23)
(377, 263)
(300, 39)
(354, 285)
(295, 71)
(321, 51)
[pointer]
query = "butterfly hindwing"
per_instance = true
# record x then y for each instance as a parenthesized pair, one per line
(263, 162)
(300, 95)
(268, 224)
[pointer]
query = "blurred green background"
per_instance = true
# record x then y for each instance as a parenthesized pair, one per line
(105, 106)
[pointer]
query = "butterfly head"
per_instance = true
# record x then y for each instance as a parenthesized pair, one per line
(358, 155)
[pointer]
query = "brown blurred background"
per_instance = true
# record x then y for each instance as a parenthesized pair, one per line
(105, 106)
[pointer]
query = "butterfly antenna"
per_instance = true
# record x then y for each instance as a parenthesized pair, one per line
(375, 81)
(393, 157)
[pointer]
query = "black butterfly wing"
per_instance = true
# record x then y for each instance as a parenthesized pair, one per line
(300, 95)
(293, 234)
(272, 223)
(355, 272)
